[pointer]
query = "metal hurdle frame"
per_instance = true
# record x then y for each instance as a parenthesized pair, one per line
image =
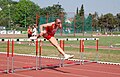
(82, 61)
(12, 70)
(40, 57)
(81, 46)
(7, 55)
(74, 62)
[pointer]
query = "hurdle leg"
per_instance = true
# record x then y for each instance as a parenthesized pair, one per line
(36, 54)
(96, 50)
(40, 54)
(61, 58)
(8, 59)
(12, 70)
(81, 51)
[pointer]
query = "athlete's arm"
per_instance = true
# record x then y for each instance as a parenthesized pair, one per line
(45, 25)
(42, 30)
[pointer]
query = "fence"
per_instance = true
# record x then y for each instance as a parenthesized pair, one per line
(9, 32)
(71, 23)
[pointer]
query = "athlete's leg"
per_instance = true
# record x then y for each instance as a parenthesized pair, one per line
(54, 42)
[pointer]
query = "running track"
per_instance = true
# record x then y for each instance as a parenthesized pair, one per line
(87, 70)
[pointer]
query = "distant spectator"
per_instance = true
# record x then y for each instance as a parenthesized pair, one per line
(34, 31)
(29, 30)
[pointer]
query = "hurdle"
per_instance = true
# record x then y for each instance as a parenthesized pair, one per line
(82, 47)
(81, 50)
(15, 58)
(4, 56)
(69, 61)
(42, 58)
(13, 64)
(64, 63)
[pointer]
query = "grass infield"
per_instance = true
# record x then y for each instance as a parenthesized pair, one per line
(72, 47)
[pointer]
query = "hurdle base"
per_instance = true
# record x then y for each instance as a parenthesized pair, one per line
(49, 66)
(22, 69)
(4, 71)
(88, 61)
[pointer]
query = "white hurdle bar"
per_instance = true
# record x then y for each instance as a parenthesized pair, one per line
(65, 39)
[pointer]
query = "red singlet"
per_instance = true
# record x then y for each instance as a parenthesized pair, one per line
(29, 31)
(50, 31)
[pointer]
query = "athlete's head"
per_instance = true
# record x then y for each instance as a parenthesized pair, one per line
(58, 23)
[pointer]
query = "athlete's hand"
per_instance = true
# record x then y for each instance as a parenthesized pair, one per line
(41, 33)
(38, 36)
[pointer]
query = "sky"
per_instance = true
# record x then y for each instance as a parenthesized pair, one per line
(90, 6)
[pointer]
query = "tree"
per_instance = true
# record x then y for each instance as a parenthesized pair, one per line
(54, 10)
(22, 13)
(79, 17)
(110, 21)
(77, 11)
(25, 12)
(4, 18)
(107, 22)
(94, 21)
(118, 21)
(81, 13)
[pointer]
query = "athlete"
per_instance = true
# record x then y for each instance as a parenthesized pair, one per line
(34, 31)
(48, 31)
(29, 30)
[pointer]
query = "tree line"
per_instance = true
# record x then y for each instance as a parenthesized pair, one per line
(105, 23)
(18, 15)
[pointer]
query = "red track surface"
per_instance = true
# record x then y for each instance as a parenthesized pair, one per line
(87, 70)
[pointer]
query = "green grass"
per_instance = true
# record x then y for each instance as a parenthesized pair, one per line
(72, 47)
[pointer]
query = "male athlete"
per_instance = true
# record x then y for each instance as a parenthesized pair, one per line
(48, 31)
